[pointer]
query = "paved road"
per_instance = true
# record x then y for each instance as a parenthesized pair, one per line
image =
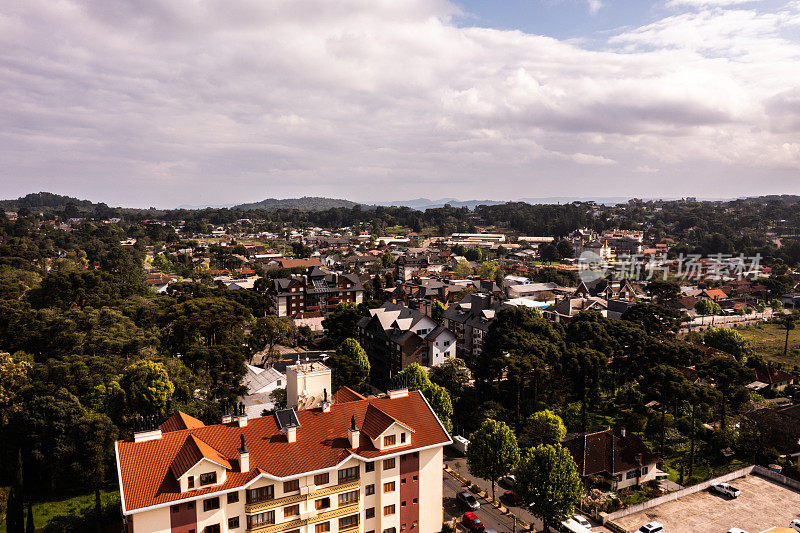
(491, 517)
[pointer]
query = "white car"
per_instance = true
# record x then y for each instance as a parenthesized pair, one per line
(508, 481)
(652, 527)
(795, 524)
(736, 530)
(582, 521)
(726, 490)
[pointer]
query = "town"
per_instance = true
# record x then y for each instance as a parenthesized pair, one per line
(317, 365)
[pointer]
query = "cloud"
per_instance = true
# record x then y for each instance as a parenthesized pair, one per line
(646, 169)
(708, 3)
(157, 102)
(594, 5)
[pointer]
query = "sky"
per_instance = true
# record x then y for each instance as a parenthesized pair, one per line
(168, 102)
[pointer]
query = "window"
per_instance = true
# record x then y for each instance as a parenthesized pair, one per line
(233, 497)
(388, 440)
(212, 529)
(208, 478)
(403, 481)
(403, 437)
(369, 513)
(388, 464)
(261, 494)
(210, 504)
(403, 503)
(369, 490)
(348, 521)
(260, 519)
(322, 479)
(388, 510)
(190, 505)
(190, 482)
(175, 508)
(291, 486)
(390, 530)
(631, 474)
(618, 477)
(348, 474)
(324, 527)
(644, 470)
(291, 510)
(369, 467)
(388, 487)
(402, 527)
(416, 478)
(233, 523)
(346, 498)
(278, 383)
(414, 501)
(322, 503)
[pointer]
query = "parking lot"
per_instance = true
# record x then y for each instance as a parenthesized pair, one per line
(761, 505)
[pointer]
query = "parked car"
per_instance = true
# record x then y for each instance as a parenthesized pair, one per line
(795, 524)
(582, 521)
(652, 527)
(472, 522)
(468, 500)
(726, 490)
(736, 530)
(508, 481)
(509, 498)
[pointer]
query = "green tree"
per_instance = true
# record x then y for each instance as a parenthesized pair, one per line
(387, 260)
(663, 290)
(487, 269)
(565, 249)
(441, 404)
(548, 480)
(656, 320)
(543, 427)
(663, 384)
(462, 269)
(452, 374)
(96, 433)
(350, 365)
(342, 323)
(270, 331)
(707, 307)
(548, 252)
(147, 387)
(727, 340)
(473, 254)
(728, 376)
(585, 365)
(415, 377)
(788, 322)
(437, 312)
(493, 451)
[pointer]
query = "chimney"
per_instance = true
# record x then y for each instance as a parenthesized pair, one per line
(398, 393)
(353, 433)
(141, 436)
(244, 456)
(291, 434)
(241, 416)
(226, 419)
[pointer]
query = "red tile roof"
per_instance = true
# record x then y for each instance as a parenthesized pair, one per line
(146, 468)
(192, 451)
(180, 420)
(608, 451)
(346, 394)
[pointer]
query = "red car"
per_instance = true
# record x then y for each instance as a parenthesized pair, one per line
(509, 498)
(472, 522)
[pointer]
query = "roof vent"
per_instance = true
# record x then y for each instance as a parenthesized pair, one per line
(398, 393)
(287, 423)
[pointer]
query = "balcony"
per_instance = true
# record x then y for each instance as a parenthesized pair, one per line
(320, 517)
(252, 508)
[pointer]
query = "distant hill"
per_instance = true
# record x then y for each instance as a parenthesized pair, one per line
(421, 204)
(44, 200)
(306, 203)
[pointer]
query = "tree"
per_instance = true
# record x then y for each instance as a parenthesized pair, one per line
(707, 307)
(437, 312)
(97, 434)
(663, 290)
(462, 269)
(548, 252)
(452, 374)
(656, 320)
(663, 384)
(788, 322)
(728, 376)
(415, 377)
(342, 323)
(493, 451)
(15, 514)
(473, 254)
(487, 269)
(565, 249)
(387, 260)
(727, 340)
(29, 526)
(698, 398)
(585, 365)
(548, 480)
(13, 375)
(147, 387)
(350, 365)
(269, 331)
(543, 427)
(441, 404)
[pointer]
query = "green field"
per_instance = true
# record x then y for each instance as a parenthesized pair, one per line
(70, 504)
(768, 340)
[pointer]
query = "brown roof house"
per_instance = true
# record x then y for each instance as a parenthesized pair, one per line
(616, 455)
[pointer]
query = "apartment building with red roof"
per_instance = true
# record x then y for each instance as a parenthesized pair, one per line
(348, 464)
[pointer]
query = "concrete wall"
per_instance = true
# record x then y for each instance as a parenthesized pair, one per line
(430, 490)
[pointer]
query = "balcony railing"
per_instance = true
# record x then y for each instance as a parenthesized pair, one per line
(320, 517)
(252, 508)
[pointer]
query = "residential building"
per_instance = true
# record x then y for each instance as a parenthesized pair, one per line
(317, 290)
(564, 310)
(616, 456)
(260, 383)
(469, 321)
(394, 336)
(351, 465)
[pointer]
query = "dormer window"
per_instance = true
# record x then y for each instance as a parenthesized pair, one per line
(209, 478)
(402, 437)
(389, 440)
(190, 482)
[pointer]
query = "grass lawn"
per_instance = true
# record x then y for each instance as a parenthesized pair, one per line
(68, 504)
(768, 340)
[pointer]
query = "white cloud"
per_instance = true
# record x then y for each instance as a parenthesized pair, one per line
(594, 5)
(709, 3)
(156, 101)
(646, 169)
